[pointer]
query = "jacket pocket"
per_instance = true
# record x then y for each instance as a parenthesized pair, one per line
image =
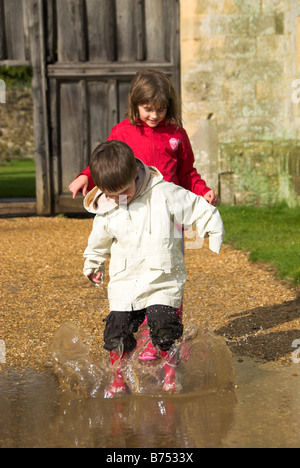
(163, 262)
(117, 266)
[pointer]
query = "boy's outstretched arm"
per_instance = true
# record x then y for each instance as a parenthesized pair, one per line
(192, 210)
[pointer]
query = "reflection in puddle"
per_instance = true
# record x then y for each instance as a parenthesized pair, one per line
(36, 414)
(57, 410)
(28, 402)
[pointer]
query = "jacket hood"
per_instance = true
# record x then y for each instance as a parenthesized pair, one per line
(96, 201)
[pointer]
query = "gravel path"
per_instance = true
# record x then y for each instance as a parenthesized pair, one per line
(42, 287)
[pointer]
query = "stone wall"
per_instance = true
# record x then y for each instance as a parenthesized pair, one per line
(16, 125)
(239, 61)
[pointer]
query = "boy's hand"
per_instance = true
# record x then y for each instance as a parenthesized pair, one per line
(96, 278)
(212, 198)
(79, 184)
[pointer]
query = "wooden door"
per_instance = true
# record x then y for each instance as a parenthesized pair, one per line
(84, 54)
(93, 50)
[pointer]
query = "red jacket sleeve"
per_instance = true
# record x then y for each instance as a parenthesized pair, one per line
(186, 172)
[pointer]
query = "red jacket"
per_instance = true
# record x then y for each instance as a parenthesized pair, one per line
(167, 147)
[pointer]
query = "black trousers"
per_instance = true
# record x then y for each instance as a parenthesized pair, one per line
(164, 323)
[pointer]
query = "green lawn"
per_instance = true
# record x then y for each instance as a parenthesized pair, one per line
(271, 235)
(17, 179)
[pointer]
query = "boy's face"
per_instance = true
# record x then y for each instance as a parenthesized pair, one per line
(124, 196)
(152, 115)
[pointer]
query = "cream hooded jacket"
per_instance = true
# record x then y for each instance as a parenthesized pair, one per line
(143, 240)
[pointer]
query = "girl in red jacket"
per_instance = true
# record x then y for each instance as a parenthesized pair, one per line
(153, 130)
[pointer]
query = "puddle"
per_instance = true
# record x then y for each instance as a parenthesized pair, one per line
(66, 409)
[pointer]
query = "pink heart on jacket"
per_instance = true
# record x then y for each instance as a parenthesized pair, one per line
(174, 143)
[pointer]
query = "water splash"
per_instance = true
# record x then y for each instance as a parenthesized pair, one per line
(205, 364)
(75, 368)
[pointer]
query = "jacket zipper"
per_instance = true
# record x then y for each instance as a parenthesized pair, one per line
(153, 149)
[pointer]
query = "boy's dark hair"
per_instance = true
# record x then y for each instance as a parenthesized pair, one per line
(156, 87)
(113, 166)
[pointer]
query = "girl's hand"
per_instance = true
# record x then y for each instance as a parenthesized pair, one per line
(212, 198)
(79, 184)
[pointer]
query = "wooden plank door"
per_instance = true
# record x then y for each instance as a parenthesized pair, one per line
(14, 41)
(94, 48)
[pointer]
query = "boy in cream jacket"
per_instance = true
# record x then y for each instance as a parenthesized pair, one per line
(137, 224)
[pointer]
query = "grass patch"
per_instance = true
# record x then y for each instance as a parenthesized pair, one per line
(17, 179)
(16, 76)
(271, 235)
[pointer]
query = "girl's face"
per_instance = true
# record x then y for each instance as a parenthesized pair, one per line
(152, 115)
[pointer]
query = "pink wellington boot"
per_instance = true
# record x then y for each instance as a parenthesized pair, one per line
(118, 385)
(149, 352)
(170, 364)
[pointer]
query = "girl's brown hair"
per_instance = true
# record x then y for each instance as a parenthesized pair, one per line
(155, 87)
(113, 166)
